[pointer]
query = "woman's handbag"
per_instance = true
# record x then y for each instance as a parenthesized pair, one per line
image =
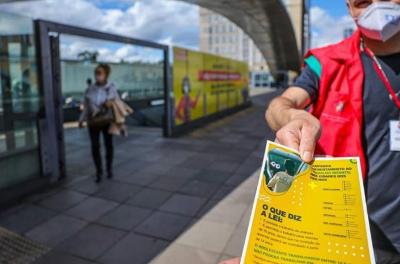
(105, 115)
(103, 118)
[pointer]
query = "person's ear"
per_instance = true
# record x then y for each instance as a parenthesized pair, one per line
(350, 9)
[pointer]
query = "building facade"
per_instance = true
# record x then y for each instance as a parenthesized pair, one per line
(220, 36)
(299, 14)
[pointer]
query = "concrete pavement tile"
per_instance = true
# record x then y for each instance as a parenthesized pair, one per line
(26, 217)
(56, 230)
(87, 186)
(124, 217)
(206, 208)
(150, 156)
(181, 254)
(130, 166)
(227, 212)
(139, 178)
(63, 200)
(197, 162)
(60, 257)
(92, 241)
(164, 225)
(149, 198)
(118, 192)
(158, 170)
(224, 166)
(234, 247)
(234, 139)
(91, 208)
(171, 184)
(181, 172)
(199, 188)
(207, 235)
(212, 176)
(176, 158)
(37, 197)
(244, 222)
(248, 169)
(134, 248)
(242, 195)
(236, 179)
(251, 183)
(222, 192)
(183, 204)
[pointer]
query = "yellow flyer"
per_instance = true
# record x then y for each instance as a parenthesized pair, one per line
(308, 213)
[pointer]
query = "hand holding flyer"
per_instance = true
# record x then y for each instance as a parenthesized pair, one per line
(308, 213)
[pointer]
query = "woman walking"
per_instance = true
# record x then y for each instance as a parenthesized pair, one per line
(99, 117)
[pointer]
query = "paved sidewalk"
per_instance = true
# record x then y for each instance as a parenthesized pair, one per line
(219, 234)
(172, 200)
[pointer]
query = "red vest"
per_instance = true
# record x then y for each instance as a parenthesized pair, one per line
(339, 106)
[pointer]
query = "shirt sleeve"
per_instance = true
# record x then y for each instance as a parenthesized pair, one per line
(113, 92)
(84, 115)
(309, 81)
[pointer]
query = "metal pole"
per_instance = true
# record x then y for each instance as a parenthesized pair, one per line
(168, 100)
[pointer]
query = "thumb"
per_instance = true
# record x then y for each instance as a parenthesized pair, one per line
(308, 140)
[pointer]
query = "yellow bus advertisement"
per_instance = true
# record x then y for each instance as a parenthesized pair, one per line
(206, 84)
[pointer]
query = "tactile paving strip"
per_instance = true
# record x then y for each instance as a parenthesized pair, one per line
(15, 249)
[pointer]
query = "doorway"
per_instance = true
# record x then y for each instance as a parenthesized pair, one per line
(68, 57)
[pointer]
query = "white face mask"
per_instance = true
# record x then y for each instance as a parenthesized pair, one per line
(380, 21)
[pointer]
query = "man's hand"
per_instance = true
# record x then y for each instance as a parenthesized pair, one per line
(231, 261)
(301, 133)
(294, 127)
(81, 124)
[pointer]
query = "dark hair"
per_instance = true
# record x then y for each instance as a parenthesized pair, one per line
(105, 67)
(290, 167)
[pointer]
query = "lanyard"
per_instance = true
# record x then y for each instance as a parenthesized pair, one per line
(379, 70)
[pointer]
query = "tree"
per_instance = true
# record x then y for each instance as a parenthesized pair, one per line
(90, 56)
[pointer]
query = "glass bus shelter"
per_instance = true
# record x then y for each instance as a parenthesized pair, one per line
(44, 69)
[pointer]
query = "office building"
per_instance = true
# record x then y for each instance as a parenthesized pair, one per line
(220, 36)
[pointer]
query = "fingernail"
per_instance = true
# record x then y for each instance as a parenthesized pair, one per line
(307, 156)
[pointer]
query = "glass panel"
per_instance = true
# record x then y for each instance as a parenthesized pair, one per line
(19, 101)
(25, 96)
(25, 134)
(14, 172)
(136, 71)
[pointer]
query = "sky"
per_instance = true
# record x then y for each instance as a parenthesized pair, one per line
(329, 18)
(167, 22)
(335, 8)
